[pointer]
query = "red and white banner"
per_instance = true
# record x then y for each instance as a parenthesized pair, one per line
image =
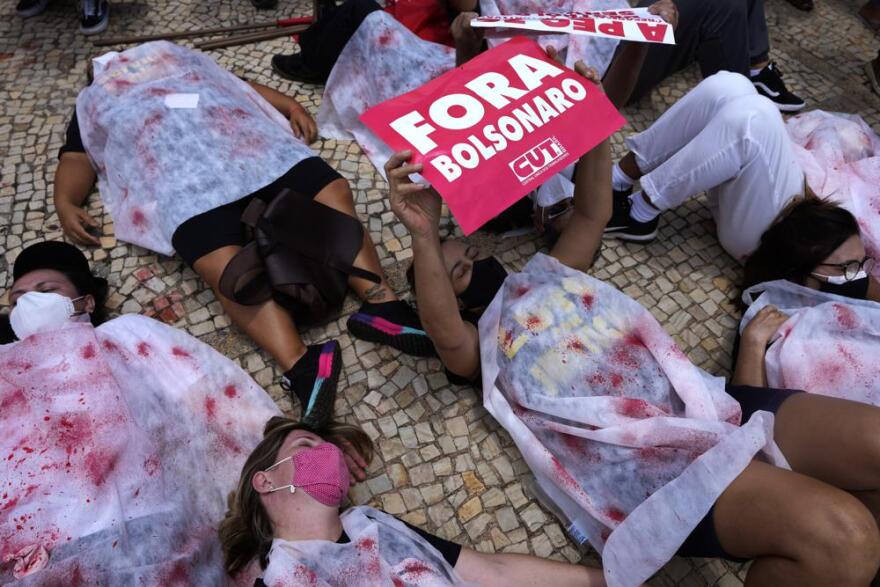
(497, 127)
(636, 24)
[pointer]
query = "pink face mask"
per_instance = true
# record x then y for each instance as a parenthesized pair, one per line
(321, 472)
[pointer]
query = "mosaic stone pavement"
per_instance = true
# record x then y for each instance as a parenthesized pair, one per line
(443, 463)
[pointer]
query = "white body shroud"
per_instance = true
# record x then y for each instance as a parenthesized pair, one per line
(628, 438)
(123, 443)
(830, 344)
(381, 551)
(158, 164)
(840, 155)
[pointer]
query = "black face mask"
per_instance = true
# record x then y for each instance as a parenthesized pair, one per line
(487, 276)
(856, 288)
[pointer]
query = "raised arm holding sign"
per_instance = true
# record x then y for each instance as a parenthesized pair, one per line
(495, 128)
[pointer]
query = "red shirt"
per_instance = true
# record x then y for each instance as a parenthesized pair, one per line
(429, 19)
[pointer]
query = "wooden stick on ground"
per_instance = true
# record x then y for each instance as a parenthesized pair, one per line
(181, 34)
(126, 40)
(250, 37)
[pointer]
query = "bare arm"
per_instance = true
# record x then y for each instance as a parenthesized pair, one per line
(520, 570)
(621, 78)
(462, 5)
(873, 290)
(581, 237)
(301, 122)
(750, 368)
(74, 179)
(468, 41)
(457, 342)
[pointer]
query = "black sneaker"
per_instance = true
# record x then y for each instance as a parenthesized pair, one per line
(94, 16)
(624, 227)
(29, 8)
(394, 324)
(313, 381)
(769, 83)
(292, 67)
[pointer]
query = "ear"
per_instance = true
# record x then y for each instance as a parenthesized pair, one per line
(88, 304)
(261, 482)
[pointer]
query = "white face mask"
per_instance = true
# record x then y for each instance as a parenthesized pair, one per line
(840, 279)
(38, 311)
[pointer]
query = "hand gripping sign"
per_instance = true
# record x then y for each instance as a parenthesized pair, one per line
(636, 24)
(494, 129)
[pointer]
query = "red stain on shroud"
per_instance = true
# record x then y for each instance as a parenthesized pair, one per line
(180, 353)
(143, 349)
(88, 351)
(615, 515)
(211, 408)
(230, 392)
(635, 408)
(73, 433)
(845, 317)
(99, 465)
(417, 569)
(138, 218)
(587, 300)
(15, 400)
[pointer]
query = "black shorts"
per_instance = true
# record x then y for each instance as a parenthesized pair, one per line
(703, 541)
(222, 227)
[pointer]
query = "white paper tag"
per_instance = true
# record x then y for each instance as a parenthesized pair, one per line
(182, 100)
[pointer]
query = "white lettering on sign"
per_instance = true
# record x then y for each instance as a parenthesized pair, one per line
(530, 163)
(461, 111)
(494, 138)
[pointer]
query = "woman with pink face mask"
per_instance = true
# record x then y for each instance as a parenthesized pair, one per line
(286, 516)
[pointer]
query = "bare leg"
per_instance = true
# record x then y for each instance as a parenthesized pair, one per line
(629, 166)
(337, 195)
(799, 530)
(268, 324)
(834, 440)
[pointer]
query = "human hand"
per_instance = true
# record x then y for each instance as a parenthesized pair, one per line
(416, 205)
(464, 34)
(303, 125)
(667, 10)
(75, 223)
(763, 326)
(579, 67)
(354, 460)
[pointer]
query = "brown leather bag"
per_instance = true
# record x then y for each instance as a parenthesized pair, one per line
(301, 256)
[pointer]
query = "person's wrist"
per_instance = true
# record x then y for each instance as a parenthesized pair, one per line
(754, 342)
(427, 238)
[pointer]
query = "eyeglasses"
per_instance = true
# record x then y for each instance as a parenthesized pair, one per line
(851, 269)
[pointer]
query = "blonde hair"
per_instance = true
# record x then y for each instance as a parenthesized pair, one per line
(246, 530)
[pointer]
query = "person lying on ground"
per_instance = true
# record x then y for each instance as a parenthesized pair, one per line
(286, 514)
(120, 437)
(180, 148)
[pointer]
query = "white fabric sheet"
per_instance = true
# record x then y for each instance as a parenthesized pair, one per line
(381, 551)
(628, 438)
(830, 344)
(159, 166)
(120, 447)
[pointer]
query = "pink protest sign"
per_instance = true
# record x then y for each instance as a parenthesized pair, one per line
(494, 129)
(636, 24)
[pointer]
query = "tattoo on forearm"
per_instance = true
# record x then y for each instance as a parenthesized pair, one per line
(376, 292)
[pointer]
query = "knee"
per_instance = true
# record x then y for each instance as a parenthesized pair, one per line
(845, 542)
(752, 117)
(726, 85)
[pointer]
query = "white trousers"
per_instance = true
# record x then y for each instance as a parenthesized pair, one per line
(725, 139)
